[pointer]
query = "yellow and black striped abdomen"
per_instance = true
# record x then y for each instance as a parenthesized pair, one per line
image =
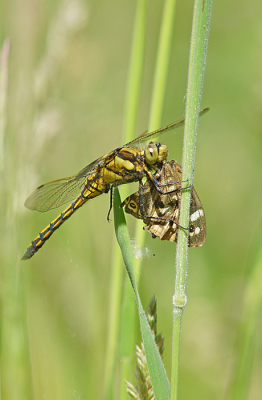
(90, 190)
(45, 234)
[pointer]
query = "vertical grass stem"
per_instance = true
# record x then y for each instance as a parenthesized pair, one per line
(197, 61)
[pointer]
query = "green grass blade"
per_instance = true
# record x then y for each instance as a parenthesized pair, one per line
(162, 64)
(198, 51)
(159, 88)
(156, 368)
(135, 72)
(125, 306)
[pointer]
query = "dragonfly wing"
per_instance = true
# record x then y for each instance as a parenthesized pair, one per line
(90, 168)
(54, 194)
(140, 141)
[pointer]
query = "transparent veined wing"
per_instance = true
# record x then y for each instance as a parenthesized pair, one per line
(54, 194)
(140, 141)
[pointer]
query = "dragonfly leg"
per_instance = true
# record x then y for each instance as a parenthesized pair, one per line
(111, 205)
(158, 185)
(172, 191)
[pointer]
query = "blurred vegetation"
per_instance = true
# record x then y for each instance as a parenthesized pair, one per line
(67, 81)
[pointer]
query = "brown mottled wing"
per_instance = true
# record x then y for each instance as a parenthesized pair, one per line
(158, 206)
(167, 206)
(197, 223)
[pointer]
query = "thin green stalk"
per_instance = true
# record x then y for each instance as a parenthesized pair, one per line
(156, 368)
(127, 334)
(135, 72)
(159, 88)
(157, 104)
(113, 321)
(131, 112)
(128, 315)
(197, 60)
(134, 86)
(162, 64)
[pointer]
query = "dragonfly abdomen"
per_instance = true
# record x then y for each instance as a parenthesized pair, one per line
(90, 190)
(45, 234)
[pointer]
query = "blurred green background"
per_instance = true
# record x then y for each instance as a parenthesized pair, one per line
(68, 70)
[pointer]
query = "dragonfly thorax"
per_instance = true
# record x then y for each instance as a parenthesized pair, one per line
(155, 152)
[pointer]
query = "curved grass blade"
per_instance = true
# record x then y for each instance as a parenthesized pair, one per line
(157, 371)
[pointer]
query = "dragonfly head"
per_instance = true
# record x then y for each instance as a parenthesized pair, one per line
(155, 152)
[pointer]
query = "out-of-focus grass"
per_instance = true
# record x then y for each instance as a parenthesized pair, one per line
(78, 118)
(122, 319)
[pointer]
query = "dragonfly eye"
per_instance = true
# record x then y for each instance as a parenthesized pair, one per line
(151, 153)
(162, 153)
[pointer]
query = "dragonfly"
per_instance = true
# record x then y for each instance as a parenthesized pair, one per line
(160, 211)
(129, 163)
